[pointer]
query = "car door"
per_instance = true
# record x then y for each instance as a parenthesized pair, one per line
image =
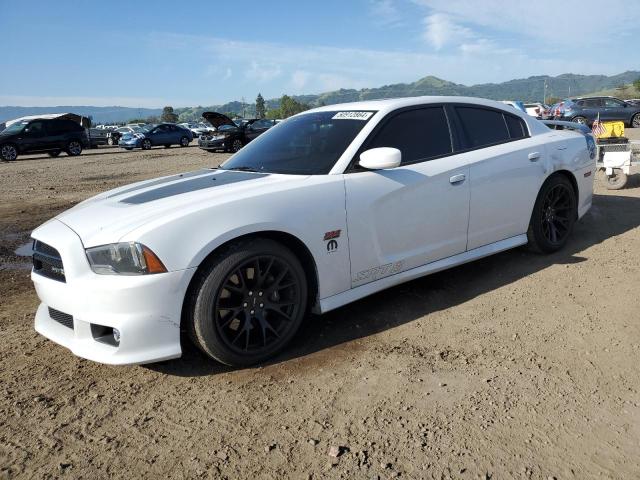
(34, 137)
(506, 171)
(614, 109)
(160, 135)
(414, 214)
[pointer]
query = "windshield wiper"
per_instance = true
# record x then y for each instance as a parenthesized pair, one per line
(242, 169)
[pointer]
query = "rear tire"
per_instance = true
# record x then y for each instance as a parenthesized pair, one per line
(167, 146)
(111, 141)
(247, 302)
(54, 153)
(146, 144)
(635, 121)
(184, 142)
(554, 214)
(74, 148)
(579, 119)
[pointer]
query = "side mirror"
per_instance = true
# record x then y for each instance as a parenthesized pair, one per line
(380, 158)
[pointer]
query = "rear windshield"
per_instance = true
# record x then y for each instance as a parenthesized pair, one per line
(307, 144)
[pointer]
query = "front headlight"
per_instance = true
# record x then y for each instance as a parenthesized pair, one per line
(129, 258)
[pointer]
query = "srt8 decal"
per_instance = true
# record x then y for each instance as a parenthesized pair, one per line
(375, 273)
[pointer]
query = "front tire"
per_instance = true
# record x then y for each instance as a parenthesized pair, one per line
(111, 141)
(554, 214)
(146, 144)
(635, 121)
(579, 119)
(54, 153)
(8, 152)
(236, 145)
(248, 302)
(184, 142)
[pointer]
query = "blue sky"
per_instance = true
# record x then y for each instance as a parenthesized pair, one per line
(150, 54)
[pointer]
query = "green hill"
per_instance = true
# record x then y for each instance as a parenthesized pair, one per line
(525, 89)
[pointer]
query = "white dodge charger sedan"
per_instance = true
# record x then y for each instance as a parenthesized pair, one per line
(325, 208)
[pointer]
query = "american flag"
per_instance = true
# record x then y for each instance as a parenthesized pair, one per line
(598, 129)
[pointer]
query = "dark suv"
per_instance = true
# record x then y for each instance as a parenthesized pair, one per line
(586, 110)
(42, 135)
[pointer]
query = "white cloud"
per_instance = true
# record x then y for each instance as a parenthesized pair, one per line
(299, 80)
(542, 19)
(263, 72)
(465, 56)
(385, 12)
(440, 31)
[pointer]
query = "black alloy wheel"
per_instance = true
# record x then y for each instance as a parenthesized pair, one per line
(236, 145)
(248, 303)
(554, 215)
(74, 148)
(8, 152)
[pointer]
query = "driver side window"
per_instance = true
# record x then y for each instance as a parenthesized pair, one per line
(420, 134)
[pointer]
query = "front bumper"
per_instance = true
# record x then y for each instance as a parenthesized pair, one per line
(212, 144)
(145, 309)
(132, 143)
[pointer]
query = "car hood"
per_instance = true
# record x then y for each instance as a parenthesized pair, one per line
(217, 119)
(108, 217)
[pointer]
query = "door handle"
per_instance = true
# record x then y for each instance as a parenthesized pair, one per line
(562, 147)
(457, 178)
(534, 156)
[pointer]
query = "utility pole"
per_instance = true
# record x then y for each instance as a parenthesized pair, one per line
(243, 112)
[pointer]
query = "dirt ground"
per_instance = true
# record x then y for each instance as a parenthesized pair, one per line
(517, 366)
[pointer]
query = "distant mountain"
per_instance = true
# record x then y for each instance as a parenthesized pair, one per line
(99, 114)
(525, 89)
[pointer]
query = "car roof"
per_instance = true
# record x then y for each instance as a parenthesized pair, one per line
(386, 105)
(390, 104)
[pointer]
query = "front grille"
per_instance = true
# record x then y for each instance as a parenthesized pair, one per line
(61, 317)
(47, 261)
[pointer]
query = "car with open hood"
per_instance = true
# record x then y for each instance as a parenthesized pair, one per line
(325, 208)
(229, 135)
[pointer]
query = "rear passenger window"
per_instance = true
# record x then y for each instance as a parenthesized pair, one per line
(482, 127)
(419, 134)
(515, 126)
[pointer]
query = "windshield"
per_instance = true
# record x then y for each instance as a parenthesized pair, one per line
(15, 127)
(307, 144)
